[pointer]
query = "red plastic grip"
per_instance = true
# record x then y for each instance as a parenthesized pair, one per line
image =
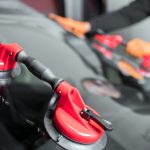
(112, 41)
(8, 54)
(146, 62)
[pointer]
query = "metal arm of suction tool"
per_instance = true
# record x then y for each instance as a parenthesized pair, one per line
(43, 73)
(38, 69)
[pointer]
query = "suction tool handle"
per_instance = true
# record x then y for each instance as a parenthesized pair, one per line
(38, 69)
(88, 115)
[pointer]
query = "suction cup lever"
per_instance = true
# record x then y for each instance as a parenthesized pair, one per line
(88, 115)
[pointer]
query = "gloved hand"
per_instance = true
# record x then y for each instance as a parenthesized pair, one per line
(78, 28)
(138, 48)
(128, 69)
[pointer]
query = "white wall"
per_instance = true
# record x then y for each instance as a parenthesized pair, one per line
(74, 9)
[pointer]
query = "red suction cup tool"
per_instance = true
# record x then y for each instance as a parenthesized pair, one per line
(105, 44)
(69, 122)
(75, 120)
(109, 41)
(74, 124)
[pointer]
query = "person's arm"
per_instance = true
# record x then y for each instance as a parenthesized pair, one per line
(131, 14)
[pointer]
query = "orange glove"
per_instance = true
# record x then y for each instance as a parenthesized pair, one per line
(138, 48)
(78, 28)
(128, 69)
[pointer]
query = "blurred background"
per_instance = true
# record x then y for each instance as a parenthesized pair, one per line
(86, 9)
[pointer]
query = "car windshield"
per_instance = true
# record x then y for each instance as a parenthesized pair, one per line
(117, 94)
